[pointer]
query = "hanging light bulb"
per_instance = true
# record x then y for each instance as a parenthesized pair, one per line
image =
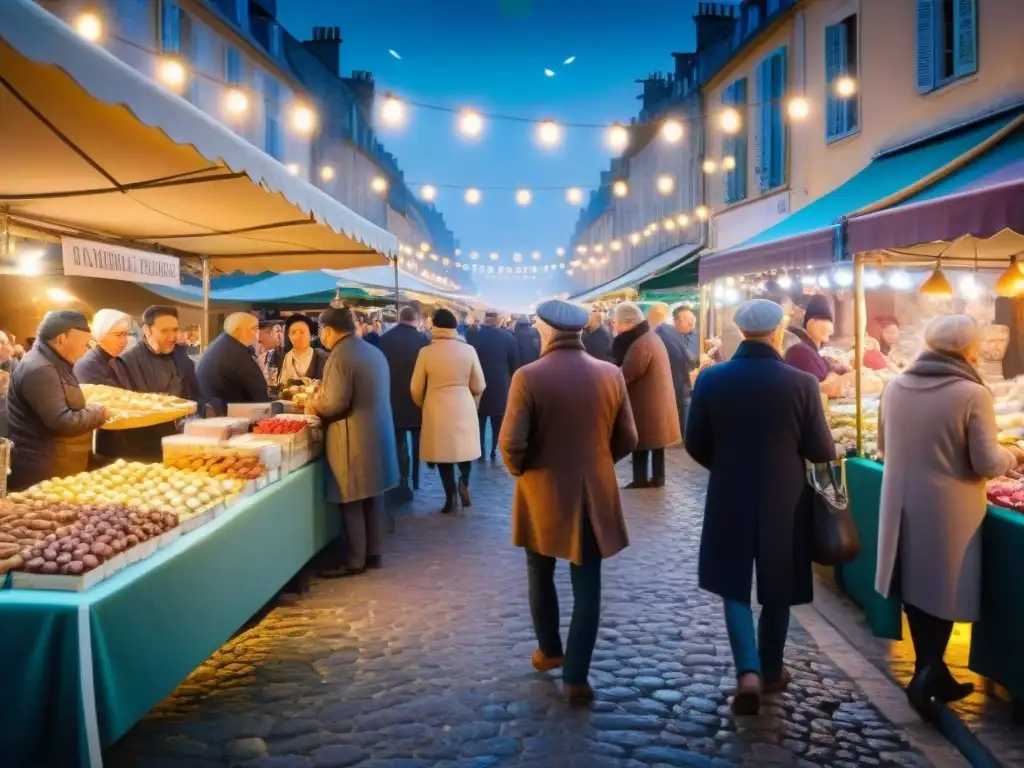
(900, 280)
(845, 87)
(808, 280)
(730, 121)
(471, 124)
(379, 185)
(672, 131)
(665, 184)
(89, 26)
(293, 169)
(785, 282)
(428, 192)
(523, 197)
(620, 188)
(549, 133)
(303, 119)
(823, 282)
(634, 237)
(615, 245)
(683, 220)
(843, 278)
(392, 110)
(472, 196)
(574, 195)
(236, 103)
(1011, 282)
(702, 212)
(970, 287)
(326, 173)
(709, 166)
(937, 284)
(873, 278)
(617, 137)
(729, 163)
(172, 73)
(599, 248)
(798, 108)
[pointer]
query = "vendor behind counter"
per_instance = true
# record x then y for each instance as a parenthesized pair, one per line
(228, 371)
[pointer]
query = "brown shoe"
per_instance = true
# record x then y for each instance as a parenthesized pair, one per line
(777, 686)
(544, 663)
(578, 694)
(747, 700)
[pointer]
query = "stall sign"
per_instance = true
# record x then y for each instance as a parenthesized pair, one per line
(115, 262)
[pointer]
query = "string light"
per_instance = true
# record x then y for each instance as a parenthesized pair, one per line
(379, 185)
(634, 237)
(620, 188)
(798, 108)
(599, 248)
(517, 257)
(672, 131)
(494, 256)
(472, 196)
(236, 102)
(845, 87)
(843, 278)
(560, 251)
(683, 220)
(303, 119)
(729, 163)
(665, 184)
(434, 257)
(89, 26)
(523, 197)
(392, 111)
(172, 73)
(574, 195)
(326, 173)
(470, 123)
(549, 133)
(535, 255)
(785, 282)
(617, 137)
(424, 247)
(709, 166)
(730, 121)
(474, 255)
(293, 168)
(428, 192)
(669, 225)
(702, 213)
(581, 249)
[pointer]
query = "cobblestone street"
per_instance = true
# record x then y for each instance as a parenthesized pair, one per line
(427, 663)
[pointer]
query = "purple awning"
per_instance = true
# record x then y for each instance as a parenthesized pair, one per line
(808, 249)
(981, 213)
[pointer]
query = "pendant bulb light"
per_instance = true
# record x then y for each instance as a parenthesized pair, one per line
(1010, 282)
(938, 284)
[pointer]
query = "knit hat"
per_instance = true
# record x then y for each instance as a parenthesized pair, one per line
(951, 334)
(443, 318)
(107, 320)
(818, 308)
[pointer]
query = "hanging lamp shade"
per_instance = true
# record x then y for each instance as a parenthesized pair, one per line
(1011, 282)
(938, 284)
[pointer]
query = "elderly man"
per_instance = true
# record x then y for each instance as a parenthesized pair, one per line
(228, 373)
(648, 372)
(49, 422)
(499, 358)
(597, 339)
(678, 355)
(102, 363)
(818, 325)
(568, 422)
(355, 404)
(758, 512)
(685, 322)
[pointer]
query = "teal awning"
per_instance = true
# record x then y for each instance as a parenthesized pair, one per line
(807, 237)
(669, 259)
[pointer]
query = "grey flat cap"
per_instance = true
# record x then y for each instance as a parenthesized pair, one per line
(563, 316)
(60, 321)
(758, 316)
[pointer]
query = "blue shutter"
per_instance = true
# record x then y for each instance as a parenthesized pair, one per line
(762, 142)
(926, 17)
(740, 140)
(833, 121)
(777, 164)
(728, 148)
(272, 110)
(965, 37)
(170, 27)
(234, 67)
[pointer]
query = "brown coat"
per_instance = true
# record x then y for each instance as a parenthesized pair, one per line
(567, 422)
(939, 437)
(648, 375)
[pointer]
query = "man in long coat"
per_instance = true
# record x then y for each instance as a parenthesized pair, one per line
(568, 422)
(401, 346)
(754, 421)
(597, 338)
(355, 404)
(499, 358)
(679, 357)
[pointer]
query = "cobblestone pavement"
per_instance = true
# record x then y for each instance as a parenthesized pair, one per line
(426, 663)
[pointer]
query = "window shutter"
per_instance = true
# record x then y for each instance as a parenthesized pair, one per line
(729, 147)
(234, 66)
(762, 142)
(170, 27)
(965, 36)
(832, 72)
(925, 45)
(777, 165)
(740, 141)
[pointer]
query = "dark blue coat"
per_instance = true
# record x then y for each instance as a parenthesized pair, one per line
(528, 341)
(401, 346)
(679, 359)
(598, 342)
(98, 367)
(499, 359)
(228, 373)
(753, 421)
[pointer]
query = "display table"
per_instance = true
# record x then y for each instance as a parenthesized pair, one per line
(997, 639)
(80, 669)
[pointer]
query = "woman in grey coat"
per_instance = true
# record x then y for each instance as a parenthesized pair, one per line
(937, 429)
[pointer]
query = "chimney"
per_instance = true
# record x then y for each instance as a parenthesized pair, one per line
(326, 46)
(656, 91)
(714, 21)
(361, 84)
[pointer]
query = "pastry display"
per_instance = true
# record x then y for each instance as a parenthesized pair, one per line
(221, 465)
(299, 391)
(279, 426)
(130, 410)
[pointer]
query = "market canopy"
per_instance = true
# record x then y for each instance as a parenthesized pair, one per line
(671, 258)
(976, 212)
(91, 147)
(808, 237)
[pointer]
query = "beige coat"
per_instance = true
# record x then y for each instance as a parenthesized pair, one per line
(648, 375)
(447, 383)
(567, 422)
(938, 434)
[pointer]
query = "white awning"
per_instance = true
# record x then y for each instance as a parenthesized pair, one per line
(90, 146)
(674, 257)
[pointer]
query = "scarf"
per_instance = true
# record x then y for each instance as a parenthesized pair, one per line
(622, 342)
(296, 365)
(931, 363)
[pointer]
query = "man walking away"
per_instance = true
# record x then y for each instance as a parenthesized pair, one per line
(355, 404)
(499, 357)
(401, 345)
(597, 339)
(568, 422)
(759, 504)
(528, 340)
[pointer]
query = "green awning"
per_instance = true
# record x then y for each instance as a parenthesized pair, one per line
(680, 276)
(670, 259)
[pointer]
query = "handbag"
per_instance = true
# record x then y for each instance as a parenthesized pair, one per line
(834, 536)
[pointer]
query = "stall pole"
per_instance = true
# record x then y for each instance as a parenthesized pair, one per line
(398, 292)
(858, 345)
(702, 320)
(206, 303)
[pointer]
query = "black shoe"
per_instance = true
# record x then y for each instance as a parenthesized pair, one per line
(340, 573)
(923, 693)
(658, 482)
(449, 505)
(494, 456)
(636, 484)
(950, 689)
(374, 562)
(464, 497)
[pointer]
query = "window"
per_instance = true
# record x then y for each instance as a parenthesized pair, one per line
(234, 66)
(735, 145)
(842, 112)
(170, 27)
(947, 42)
(771, 136)
(273, 143)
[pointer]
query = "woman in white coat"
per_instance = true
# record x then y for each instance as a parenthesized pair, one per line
(937, 429)
(447, 383)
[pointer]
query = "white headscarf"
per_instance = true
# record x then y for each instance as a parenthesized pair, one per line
(107, 320)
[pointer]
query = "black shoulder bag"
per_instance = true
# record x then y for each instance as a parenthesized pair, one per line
(834, 538)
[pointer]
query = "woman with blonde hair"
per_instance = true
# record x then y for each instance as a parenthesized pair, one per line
(937, 430)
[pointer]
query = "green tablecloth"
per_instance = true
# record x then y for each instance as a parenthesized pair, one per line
(79, 669)
(997, 639)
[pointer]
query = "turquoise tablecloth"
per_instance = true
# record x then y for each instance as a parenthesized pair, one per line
(147, 627)
(997, 638)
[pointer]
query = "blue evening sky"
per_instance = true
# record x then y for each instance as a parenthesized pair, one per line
(491, 55)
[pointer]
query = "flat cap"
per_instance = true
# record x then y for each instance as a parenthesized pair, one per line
(952, 334)
(491, 313)
(563, 316)
(758, 316)
(61, 321)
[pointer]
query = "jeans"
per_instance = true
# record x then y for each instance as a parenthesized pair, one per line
(361, 520)
(447, 473)
(586, 609)
(762, 656)
(930, 636)
(657, 466)
(403, 437)
(495, 429)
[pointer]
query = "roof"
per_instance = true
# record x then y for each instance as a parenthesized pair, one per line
(681, 254)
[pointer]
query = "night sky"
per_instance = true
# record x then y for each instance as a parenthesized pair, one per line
(491, 55)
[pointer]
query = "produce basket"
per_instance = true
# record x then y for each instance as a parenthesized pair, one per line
(132, 410)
